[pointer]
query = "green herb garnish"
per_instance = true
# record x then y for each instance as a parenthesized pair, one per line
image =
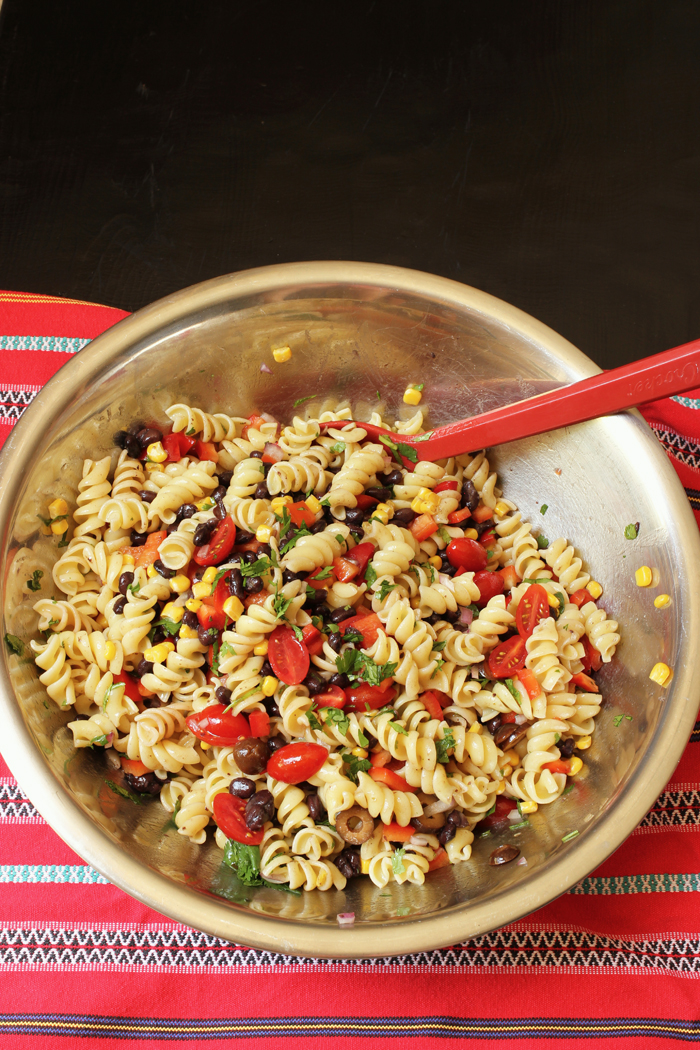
(134, 587)
(542, 543)
(399, 729)
(632, 531)
(407, 452)
(359, 666)
(384, 589)
(397, 864)
(355, 765)
(124, 792)
(571, 835)
(370, 575)
(334, 716)
(339, 446)
(169, 626)
(444, 535)
(34, 584)
(280, 605)
(303, 531)
(439, 646)
(544, 508)
(350, 637)
(513, 690)
(313, 720)
(438, 665)
(301, 400)
(226, 650)
(245, 861)
(444, 746)
(14, 644)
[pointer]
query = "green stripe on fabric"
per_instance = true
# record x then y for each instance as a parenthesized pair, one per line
(689, 402)
(51, 873)
(685, 883)
(51, 343)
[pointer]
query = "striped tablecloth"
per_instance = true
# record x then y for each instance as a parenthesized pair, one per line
(614, 961)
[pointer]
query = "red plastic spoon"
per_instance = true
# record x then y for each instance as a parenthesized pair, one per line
(662, 375)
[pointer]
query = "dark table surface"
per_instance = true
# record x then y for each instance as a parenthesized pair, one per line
(547, 153)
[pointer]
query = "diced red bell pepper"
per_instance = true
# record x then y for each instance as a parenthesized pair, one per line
(206, 450)
(396, 833)
(148, 553)
(360, 555)
(444, 486)
(368, 626)
(440, 860)
(143, 691)
(362, 697)
(392, 780)
(482, 514)
(380, 758)
(255, 423)
(581, 597)
(457, 516)
(558, 766)
(321, 579)
(177, 446)
(344, 570)
(312, 639)
(272, 453)
(431, 704)
(584, 682)
(300, 514)
(528, 679)
(259, 722)
(131, 688)
(134, 766)
(488, 539)
(510, 577)
(332, 696)
(508, 718)
(209, 616)
(592, 660)
(503, 806)
(423, 526)
(256, 599)
(366, 502)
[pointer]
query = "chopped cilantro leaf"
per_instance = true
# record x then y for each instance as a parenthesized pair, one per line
(562, 603)
(386, 440)
(407, 452)
(355, 765)
(542, 543)
(298, 633)
(339, 446)
(33, 584)
(384, 589)
(444, 746)
(544, 508)
(362, 739)
(313, 720)
(438, 665)
(370, 575)
(134, 587)
(571, 835)
(334, 716)
(246, 861)
(513, 690)
(302, 531)
(359, 666)
(444, 535)
(124, 792)
(169, 626)
(398, 728)
(397, 864)
(14, 644)
(632, 531)
(417, 386)
(439, 646)
(280, 605)
(301, 400)
(226, 650)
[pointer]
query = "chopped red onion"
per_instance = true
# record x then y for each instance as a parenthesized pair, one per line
(446, 581)
(466, 616)
(514, 816)
(438, 807)
(267, 417)
(273, 451)
(345, 918)
(522, 862)
(519, 719)
(266, 369)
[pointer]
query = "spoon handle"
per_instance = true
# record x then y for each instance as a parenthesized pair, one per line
(661, 375)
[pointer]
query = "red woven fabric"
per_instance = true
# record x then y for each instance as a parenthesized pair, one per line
(614, 962)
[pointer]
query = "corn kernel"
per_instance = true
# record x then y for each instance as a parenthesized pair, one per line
(506, 771)
(528, 807)
(156, 453)
(279, 503)
(193, 604)
(501, 509)
(575, 766)
(313, 504)
(261, 650)
(359, 752)
(583, 743)
(209, 574)
(662, 601)
(553, 600)
(501, 787)
(180, 584)
(364, 865)
(269, 684)
(128, 560)
(110, 651)
(471, 534)
(187, 632)
(151, 572)
(233, 607)
(201, 589)
(57, 508)
(59, 527)
(282, 354)
(173, 612)
(594, 589)
(263, 533)
(421, 506)
(411, 396)
(383, 511)
(476, 727)
(642, 576)
(158, 654)
(661, 674)
(204, 746)
(513, 758)
(435, 561)
(150, 468)
(204, 504)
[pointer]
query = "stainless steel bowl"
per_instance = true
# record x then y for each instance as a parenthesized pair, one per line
(360, 332)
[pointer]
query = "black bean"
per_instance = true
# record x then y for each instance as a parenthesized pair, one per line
(253, 584)
(159, 635)
(262, 491)
(322, 610)
(125, 581)
(319, 526)
(119, 605)
(493, 724)
(241, 787)
(223, 695)
(133, 448)
(314, 683)
(249, 557)
(266, 669)
(207, 635)
(275, 743)
(316, 808)
(394, 477)
(328, 515)
(271, 706)
(382, 494)
(259, 809)
(147, 496)
(251, 754)
(335, 640)
(225, 478)
(119, 438)
(288, 576)
(447, 834)
(190, 619)
(483, 526)
(244, 537)
(137, 539)
(404, 516)
(133, 428)
(298, 497)
(219, 512)
(503, 855)
(163, 570)
(172, 527)
(354, 516)
(198, 573)
(457, 819)
(235, 584)
(356, 532)
(267, 467)
(147, 784)
(264, 550)
(348, 863)
(143, 667)
(147, 436)
(566, 748)
(255, 455)
(470, 497)
(316, 597)
(340, 680)
(151, 701)
(338, 615)
(202, 534)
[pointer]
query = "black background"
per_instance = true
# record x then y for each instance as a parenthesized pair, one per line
(547, 153)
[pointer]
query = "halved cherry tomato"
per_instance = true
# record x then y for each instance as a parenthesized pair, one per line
(296, 762)
(344, 570)
(133, 766)
(558, 766)
(508, 718)
(584, 682)
(507, 658)
(259, 723)
(482, 514)
(532, 608)
(368, 626)
(396, 833)
(440, 860)
(177, 446)
(511, 578)
(455, 517)
(215, 725)
(466, 554)
(289, 658)
(256, 423)
(131, 686)
(445, 485)
(504, 806)
(592, 660)
(387, 776)
(380, 758)
(229, 814)
(300, 514)
(366, 502)
(528, 679)
(206, 450)
(220, 545)
(332, 696)
(361, 554)
(431, 704)
(321, 579)
(581, 597)
(423, 526)
(488, 539)
(313, 639)
(362, 697)
(490, 584)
